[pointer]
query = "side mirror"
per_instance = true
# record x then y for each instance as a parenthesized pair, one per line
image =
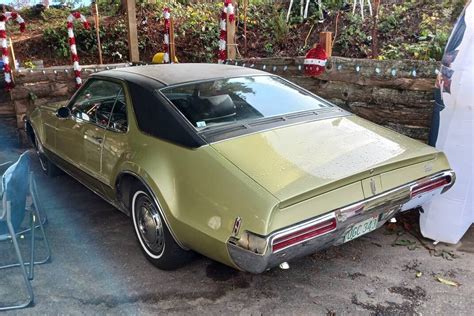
(63, 112)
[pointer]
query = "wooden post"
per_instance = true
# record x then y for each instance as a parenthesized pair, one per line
(134, 55)
(246, 4)
(375, 19)
(325, 40)
(11, 53)
(172, 48)
(231, 49)
(95, 12)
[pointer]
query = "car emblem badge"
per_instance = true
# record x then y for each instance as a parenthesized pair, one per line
(236, 229)
(372, 186)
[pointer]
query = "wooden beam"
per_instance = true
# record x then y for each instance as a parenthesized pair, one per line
(231, 48)
(172, 51)
(325, 40)
(134, 55)
(95, 12)
(11, 53)
(246, 4)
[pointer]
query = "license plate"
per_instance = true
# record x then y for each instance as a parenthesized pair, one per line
(361, 228)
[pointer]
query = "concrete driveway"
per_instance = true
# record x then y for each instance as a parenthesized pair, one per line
(97, 267)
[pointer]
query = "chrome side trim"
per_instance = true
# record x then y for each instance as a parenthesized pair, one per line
(384, 206)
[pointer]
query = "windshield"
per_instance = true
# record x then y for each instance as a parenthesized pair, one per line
(226, 101)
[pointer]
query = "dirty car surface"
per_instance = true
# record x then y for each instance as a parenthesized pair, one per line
(239, 165)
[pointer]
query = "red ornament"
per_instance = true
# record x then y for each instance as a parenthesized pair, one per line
(315, 61)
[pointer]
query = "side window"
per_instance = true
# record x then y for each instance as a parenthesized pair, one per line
(96, 101)
(118, 119)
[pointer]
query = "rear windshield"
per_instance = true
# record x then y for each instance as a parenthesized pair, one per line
(226, 101)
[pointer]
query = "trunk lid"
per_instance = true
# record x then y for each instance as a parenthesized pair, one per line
(300, 161)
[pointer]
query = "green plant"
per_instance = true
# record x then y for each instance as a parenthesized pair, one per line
(268, 48)
(53, 14)
(57, 41)
(354, 39)
(278, 27)
(29, 64)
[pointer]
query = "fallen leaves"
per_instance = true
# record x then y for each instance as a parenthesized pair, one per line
(410, 244)
(445, 254)
(447, 282)
(403, 227)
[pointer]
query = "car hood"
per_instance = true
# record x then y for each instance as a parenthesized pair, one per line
(300, 161)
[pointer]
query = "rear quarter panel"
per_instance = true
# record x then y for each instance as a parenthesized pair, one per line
(200, 192)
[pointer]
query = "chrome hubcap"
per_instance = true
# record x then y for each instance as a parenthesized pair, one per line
(150, 226)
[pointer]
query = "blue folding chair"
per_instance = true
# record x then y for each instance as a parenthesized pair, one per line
(16, 187)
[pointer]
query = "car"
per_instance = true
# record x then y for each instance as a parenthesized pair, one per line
(234, 163)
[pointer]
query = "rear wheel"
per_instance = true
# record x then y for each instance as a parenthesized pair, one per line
(48, 167)
(153, 235)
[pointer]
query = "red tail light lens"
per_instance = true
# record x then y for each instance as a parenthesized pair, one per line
(429, 186)
(303, 234)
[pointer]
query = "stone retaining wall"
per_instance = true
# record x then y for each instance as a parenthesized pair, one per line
(395, 94)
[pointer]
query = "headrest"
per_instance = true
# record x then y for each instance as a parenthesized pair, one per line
(216, 107)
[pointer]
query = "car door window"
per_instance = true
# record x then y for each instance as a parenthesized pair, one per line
(118, 119)
(95, 102)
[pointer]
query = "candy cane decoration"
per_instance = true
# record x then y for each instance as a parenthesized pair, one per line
(72, 43)
(227, 11)
(166, 39)
(4, 43)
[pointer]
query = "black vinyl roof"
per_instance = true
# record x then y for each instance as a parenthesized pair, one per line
(170, 74)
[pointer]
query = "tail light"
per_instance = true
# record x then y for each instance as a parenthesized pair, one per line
(298, 236)
(430, 186)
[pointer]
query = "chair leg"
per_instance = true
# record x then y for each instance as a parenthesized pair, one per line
(32, 250)
(40, 225)
(46, 245)
(37, 208)
(45, 240)
(23, 271)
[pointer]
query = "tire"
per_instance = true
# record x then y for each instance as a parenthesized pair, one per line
(48, 167)
(153, 235)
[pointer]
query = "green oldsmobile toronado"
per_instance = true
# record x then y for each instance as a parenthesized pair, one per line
(234, 163)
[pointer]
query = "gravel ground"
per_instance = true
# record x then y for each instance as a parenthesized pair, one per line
(97, 267)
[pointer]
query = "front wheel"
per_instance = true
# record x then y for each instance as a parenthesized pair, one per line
(153, 235)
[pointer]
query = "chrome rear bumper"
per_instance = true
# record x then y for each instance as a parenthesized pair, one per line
(383, 206)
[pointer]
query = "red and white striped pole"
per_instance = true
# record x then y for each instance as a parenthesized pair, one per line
(222, 54)
(228, 11)
(4, 44)
(72, 43)
(166, 38)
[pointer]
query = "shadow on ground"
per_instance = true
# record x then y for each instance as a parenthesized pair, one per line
(97, 267)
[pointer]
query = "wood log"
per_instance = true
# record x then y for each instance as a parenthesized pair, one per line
(36, 90)
(400, 115)
(7, 109)
(404, 81)
(367, 67)
(43, 101)
(355, 93)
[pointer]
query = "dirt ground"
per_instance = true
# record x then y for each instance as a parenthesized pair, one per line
(97, 268)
